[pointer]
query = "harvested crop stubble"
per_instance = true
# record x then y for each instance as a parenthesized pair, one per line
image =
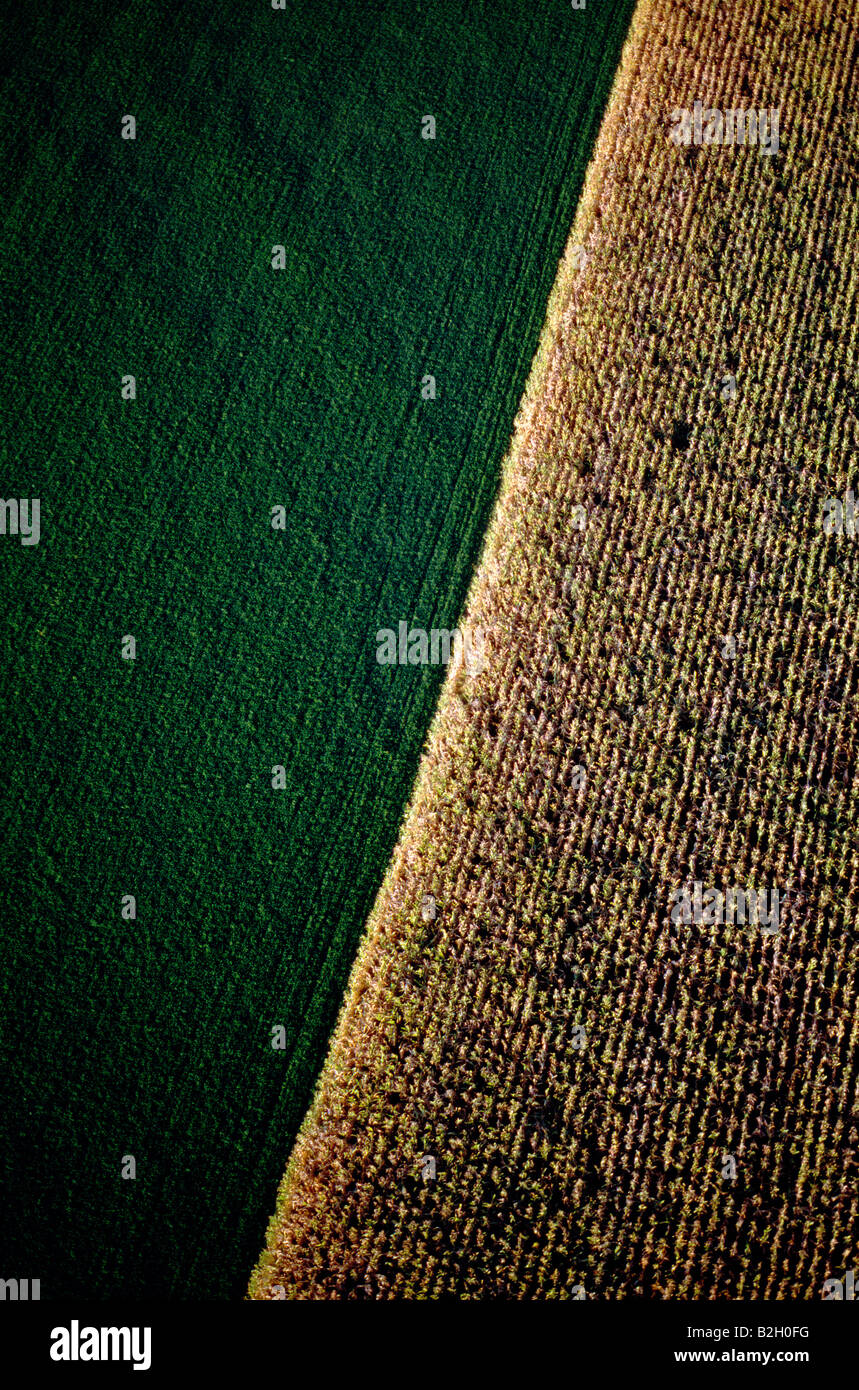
(689, 640)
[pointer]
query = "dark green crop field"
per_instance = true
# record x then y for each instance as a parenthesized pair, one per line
(150, 1035)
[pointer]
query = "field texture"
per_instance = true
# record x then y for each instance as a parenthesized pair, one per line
(566, 1066)
(150, 1036)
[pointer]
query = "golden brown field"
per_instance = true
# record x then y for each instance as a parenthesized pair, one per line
(617, 1101)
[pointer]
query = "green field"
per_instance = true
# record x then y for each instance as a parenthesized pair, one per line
(255, 388)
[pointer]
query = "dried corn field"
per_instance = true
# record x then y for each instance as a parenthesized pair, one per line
(550, 1077)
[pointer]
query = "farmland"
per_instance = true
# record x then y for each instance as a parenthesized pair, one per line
(144, 1030)
(629, 1082)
